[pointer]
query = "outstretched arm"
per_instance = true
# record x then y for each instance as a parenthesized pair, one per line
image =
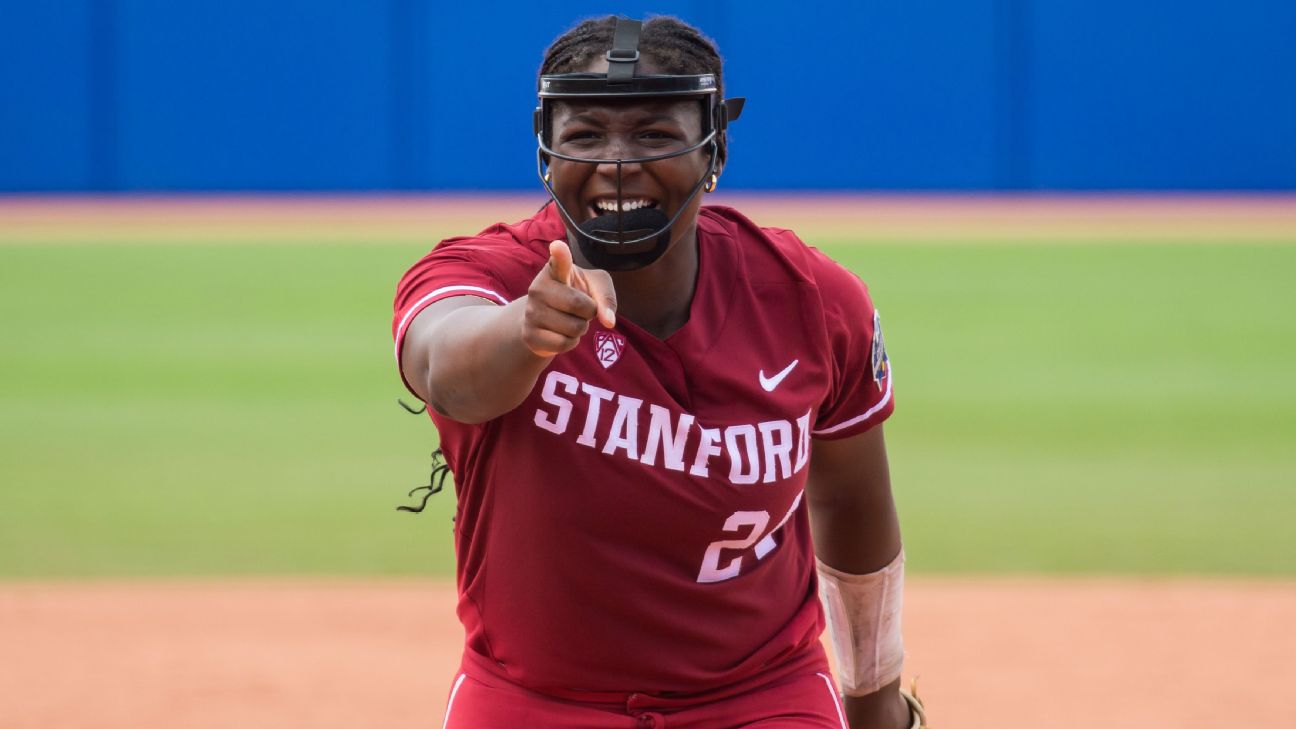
(856, 531)
(474, 361)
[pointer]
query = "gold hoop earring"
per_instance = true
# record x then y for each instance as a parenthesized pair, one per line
(548, 175)
(711, 184)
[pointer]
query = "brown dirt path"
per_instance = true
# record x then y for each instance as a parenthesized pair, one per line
(1052, 654)
(948, 218)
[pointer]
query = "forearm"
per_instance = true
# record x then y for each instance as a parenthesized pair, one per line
(857, 539)
(477, 367)
(856, 532)
(863, 609)
(857, 536)
(474, 362)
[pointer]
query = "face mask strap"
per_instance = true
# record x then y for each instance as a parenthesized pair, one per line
(624, 55)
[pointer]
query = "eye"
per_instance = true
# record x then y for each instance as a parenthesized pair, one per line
(579, 135)
(658, 136)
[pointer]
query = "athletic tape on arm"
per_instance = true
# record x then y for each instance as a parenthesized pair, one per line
(864, 624)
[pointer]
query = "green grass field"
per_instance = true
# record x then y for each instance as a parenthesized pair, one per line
(216, 409)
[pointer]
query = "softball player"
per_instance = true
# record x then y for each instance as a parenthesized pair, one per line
(657, 414)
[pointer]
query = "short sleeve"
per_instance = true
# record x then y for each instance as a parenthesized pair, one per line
(860, 394)
(454, 268)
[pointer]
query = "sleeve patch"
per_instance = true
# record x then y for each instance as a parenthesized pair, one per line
(881, 365)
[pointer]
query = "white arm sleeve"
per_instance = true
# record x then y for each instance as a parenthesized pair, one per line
(864, 624)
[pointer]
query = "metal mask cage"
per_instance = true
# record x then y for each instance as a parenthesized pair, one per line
(716, 115)
(621, 83)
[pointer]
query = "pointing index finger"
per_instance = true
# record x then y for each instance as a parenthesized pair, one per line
(560, 262)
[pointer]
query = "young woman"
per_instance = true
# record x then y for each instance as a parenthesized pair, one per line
(657, 414)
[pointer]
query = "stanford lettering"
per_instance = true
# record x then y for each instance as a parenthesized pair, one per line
(756, 452)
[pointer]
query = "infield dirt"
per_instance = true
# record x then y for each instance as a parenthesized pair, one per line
(1005, 218)
(991, 653)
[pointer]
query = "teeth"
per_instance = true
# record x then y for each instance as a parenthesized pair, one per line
(610, 206)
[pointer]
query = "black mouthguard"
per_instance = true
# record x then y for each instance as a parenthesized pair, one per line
(625, 226)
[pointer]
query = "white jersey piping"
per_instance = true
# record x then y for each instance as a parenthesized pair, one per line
(450, 703)
(419, 305)
(832, 690)
(867, 413)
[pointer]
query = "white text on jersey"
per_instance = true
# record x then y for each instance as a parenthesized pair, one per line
(767, 451)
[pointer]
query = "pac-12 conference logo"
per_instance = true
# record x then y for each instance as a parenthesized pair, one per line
(881, 363)
(608, 346)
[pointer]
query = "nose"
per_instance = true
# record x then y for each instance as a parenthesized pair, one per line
(613, 169)
(619, 149)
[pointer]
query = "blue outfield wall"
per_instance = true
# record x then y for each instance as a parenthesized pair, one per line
(163, 95)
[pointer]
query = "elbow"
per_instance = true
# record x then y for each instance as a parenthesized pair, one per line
(458, 401)
(467, 417)
(441, 397)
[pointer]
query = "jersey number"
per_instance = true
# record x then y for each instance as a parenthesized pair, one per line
(711, 570)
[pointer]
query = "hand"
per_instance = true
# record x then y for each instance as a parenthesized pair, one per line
(561, 302)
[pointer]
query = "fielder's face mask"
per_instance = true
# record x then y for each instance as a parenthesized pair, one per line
(625, 240)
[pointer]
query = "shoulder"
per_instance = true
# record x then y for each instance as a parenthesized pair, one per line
(770, 252)
(767, 255)
(777, 257)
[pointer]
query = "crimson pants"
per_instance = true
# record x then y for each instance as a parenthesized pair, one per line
(480, 700)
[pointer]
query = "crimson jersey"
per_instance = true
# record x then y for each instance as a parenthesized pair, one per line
(637, 523)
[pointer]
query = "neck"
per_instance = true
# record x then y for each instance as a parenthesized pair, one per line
(657, 298)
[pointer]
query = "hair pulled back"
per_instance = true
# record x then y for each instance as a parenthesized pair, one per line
(672, 44)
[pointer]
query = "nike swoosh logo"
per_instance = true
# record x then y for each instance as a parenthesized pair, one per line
(769, 383)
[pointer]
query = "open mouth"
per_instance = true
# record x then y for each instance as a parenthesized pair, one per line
(608, 205)
(633, 230)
